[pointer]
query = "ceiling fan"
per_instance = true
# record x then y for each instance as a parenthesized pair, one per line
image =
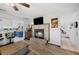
(16, 8)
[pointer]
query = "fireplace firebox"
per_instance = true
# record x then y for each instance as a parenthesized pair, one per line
(39, 33)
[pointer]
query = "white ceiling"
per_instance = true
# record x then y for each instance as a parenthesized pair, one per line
(40, 9)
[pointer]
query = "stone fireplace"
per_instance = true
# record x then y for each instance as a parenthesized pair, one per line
(41, 31)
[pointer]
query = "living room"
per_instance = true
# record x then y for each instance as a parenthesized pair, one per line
(39, 28)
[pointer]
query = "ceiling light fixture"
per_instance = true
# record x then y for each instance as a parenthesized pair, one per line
(12, 5)
(15, 7)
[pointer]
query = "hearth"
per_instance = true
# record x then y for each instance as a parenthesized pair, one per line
(39, 33)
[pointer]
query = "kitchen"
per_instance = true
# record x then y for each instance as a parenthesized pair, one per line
(8, 27)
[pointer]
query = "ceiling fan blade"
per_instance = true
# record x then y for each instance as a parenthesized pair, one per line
(25, 4)
(15, 8)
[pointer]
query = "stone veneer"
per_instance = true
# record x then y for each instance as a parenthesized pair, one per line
(46, 28)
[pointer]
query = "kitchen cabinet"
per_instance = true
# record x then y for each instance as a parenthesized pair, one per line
(17, 23)
(7, 23)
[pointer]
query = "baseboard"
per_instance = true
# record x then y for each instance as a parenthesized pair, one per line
(54, 44)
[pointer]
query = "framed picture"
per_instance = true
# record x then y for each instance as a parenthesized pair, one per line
(54, 23)
(76, 24)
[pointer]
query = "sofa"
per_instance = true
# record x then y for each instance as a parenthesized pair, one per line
(17, 48)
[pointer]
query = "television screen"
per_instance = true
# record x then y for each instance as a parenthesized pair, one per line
(38, 21)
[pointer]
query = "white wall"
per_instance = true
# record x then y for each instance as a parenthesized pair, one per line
(76, 31)
(27, 22)
(54, 32)
(64, 20)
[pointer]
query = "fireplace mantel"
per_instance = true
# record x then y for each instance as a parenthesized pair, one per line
(43, 26)
(46, 28)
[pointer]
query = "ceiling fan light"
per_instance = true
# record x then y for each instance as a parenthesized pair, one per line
(12, 4)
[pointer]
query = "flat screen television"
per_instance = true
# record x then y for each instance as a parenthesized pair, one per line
(38, 21)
